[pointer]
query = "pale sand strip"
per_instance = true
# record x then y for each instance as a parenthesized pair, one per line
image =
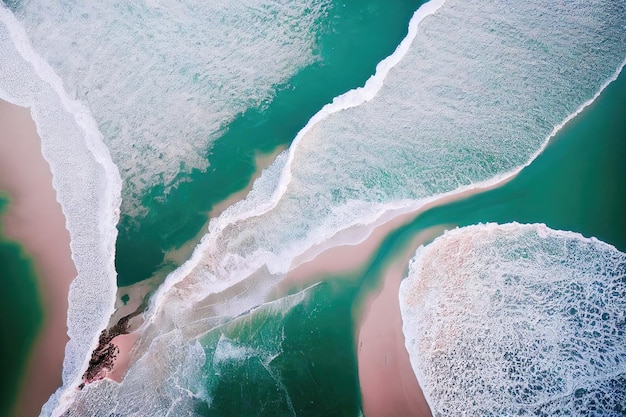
(388, 384)
(137, 292)
(35, 219)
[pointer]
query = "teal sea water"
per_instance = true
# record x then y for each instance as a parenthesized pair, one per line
(21, 315)
(451, 111)
(349, 41)
(576, 184)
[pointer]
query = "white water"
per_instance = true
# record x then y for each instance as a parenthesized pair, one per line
(163, 78)
(87, 184)
(512, 319)
(471, 94)
(455, 112)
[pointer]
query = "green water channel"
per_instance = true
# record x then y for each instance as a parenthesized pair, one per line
(21, 315)
(351, 40)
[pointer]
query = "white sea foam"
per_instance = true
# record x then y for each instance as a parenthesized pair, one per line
(88, 188)
(443, 114)
(457, 111)
(164, 78)
(175, 372)
(517, 319)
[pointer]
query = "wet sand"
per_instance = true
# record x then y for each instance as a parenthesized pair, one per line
(35, 219)
(388, 385)
(139, 291)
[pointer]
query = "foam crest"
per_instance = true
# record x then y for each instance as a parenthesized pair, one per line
(163, 78)
(358, 96)
(445, 113)
(175, 373)
(517, 319)
(87, 185)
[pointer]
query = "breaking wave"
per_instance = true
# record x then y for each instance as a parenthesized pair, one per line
(517, 319)
(87, 184)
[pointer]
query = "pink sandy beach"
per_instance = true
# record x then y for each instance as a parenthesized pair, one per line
(35, 219)
(388, 385)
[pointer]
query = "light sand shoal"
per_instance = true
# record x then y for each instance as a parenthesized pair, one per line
(35, 219)
(388, 385)
(125, 343)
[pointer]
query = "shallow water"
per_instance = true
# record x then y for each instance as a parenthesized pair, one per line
(21, 315)
(161, 79)
(471, 94)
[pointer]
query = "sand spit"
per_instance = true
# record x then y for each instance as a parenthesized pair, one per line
(35, 219)
(388, 385)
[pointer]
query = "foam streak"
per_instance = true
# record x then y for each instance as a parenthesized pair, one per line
(93, 238)
(345, 101)
(513, 319)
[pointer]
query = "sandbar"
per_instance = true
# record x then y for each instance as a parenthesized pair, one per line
(388, 384)
(35, 219)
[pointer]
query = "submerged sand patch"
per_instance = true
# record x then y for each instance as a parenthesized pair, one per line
(35, 219)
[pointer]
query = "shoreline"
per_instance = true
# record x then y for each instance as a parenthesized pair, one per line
(140, 292)
(354, 98)
(388, 384)
(35, 219)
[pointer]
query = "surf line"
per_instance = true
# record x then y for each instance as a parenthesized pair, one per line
(340, 103)
(350, 99)
(107, 215)
(390, 214)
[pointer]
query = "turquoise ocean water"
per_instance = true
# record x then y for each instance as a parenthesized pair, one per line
(474, 97)
(21, 314)
(349, 41)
